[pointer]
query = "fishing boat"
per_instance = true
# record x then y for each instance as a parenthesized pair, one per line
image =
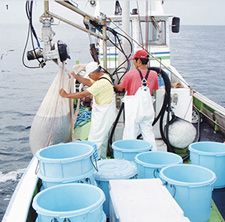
(112, 41)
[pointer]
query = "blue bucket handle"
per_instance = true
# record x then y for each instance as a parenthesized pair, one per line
(88, 180)
(155, 170)
(65, 220)
(172, 186)
(94, 165)
(134, 177)
(37, 168)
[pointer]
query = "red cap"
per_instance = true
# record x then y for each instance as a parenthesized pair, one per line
(140, 54)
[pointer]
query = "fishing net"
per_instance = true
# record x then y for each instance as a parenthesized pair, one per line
(181, 133)
(51, 125)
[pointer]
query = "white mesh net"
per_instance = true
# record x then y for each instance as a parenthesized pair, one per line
(51, 125)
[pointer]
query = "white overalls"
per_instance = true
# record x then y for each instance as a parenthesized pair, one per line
(139, 114)
(102, 119)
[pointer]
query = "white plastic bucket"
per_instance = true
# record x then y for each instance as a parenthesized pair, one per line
(128, 149)
(149, 164)
(212, 156)
(66, 161)
(70, 203)
(191, 186)
(113, 169)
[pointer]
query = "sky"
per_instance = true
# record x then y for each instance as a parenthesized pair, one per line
(197, 12)
(191, 12)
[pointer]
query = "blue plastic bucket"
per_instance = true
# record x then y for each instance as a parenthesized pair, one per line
(69, 161)
(70, 202)
(128, 149)
(49, 182)
(95, 155)
(113, 169)
(212, 156)
(191, 186)
(149, 164)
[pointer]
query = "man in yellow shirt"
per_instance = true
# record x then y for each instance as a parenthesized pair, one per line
(103, 109)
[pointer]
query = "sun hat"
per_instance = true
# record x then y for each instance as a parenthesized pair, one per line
(91, 66)
(140, 54)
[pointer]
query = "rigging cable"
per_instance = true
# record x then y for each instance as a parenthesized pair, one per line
(116, 34)
(31, 33)
(119, 47)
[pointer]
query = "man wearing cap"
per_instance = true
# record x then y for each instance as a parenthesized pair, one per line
(139, 85)
(103, 108)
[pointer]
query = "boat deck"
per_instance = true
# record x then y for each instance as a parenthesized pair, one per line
(208, 134)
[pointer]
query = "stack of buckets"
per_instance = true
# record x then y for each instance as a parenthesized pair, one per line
(68, 191)
(64, 167)
(65, 163)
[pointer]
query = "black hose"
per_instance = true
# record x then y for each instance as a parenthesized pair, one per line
(167, 92)
(113, 130)
(31, 33)
(165, 107)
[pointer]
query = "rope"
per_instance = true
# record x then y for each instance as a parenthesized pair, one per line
(83, 117)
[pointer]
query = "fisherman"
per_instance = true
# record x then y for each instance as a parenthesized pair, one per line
(103, 108)
(139, 85)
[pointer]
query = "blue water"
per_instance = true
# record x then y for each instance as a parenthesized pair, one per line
(198, 52)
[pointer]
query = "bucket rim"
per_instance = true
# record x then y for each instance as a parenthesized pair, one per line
(83, 141)
(63, 160)
(133, 150)
(130, 140)
(72, 213)
(189, 184)
(194, 150)
(157, 165)
(149, 147)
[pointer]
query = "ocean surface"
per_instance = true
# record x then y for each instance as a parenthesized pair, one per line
(197, 52)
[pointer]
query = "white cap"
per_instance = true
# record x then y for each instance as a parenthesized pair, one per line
(92, 66)
(79, 67)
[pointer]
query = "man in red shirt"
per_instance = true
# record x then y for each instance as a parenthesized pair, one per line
(139, 85)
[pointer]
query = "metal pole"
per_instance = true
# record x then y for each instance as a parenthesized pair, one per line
(126, 28)
(78, 11)
(104, 43)
(126, 22)
(73, 24)
(46, 7)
